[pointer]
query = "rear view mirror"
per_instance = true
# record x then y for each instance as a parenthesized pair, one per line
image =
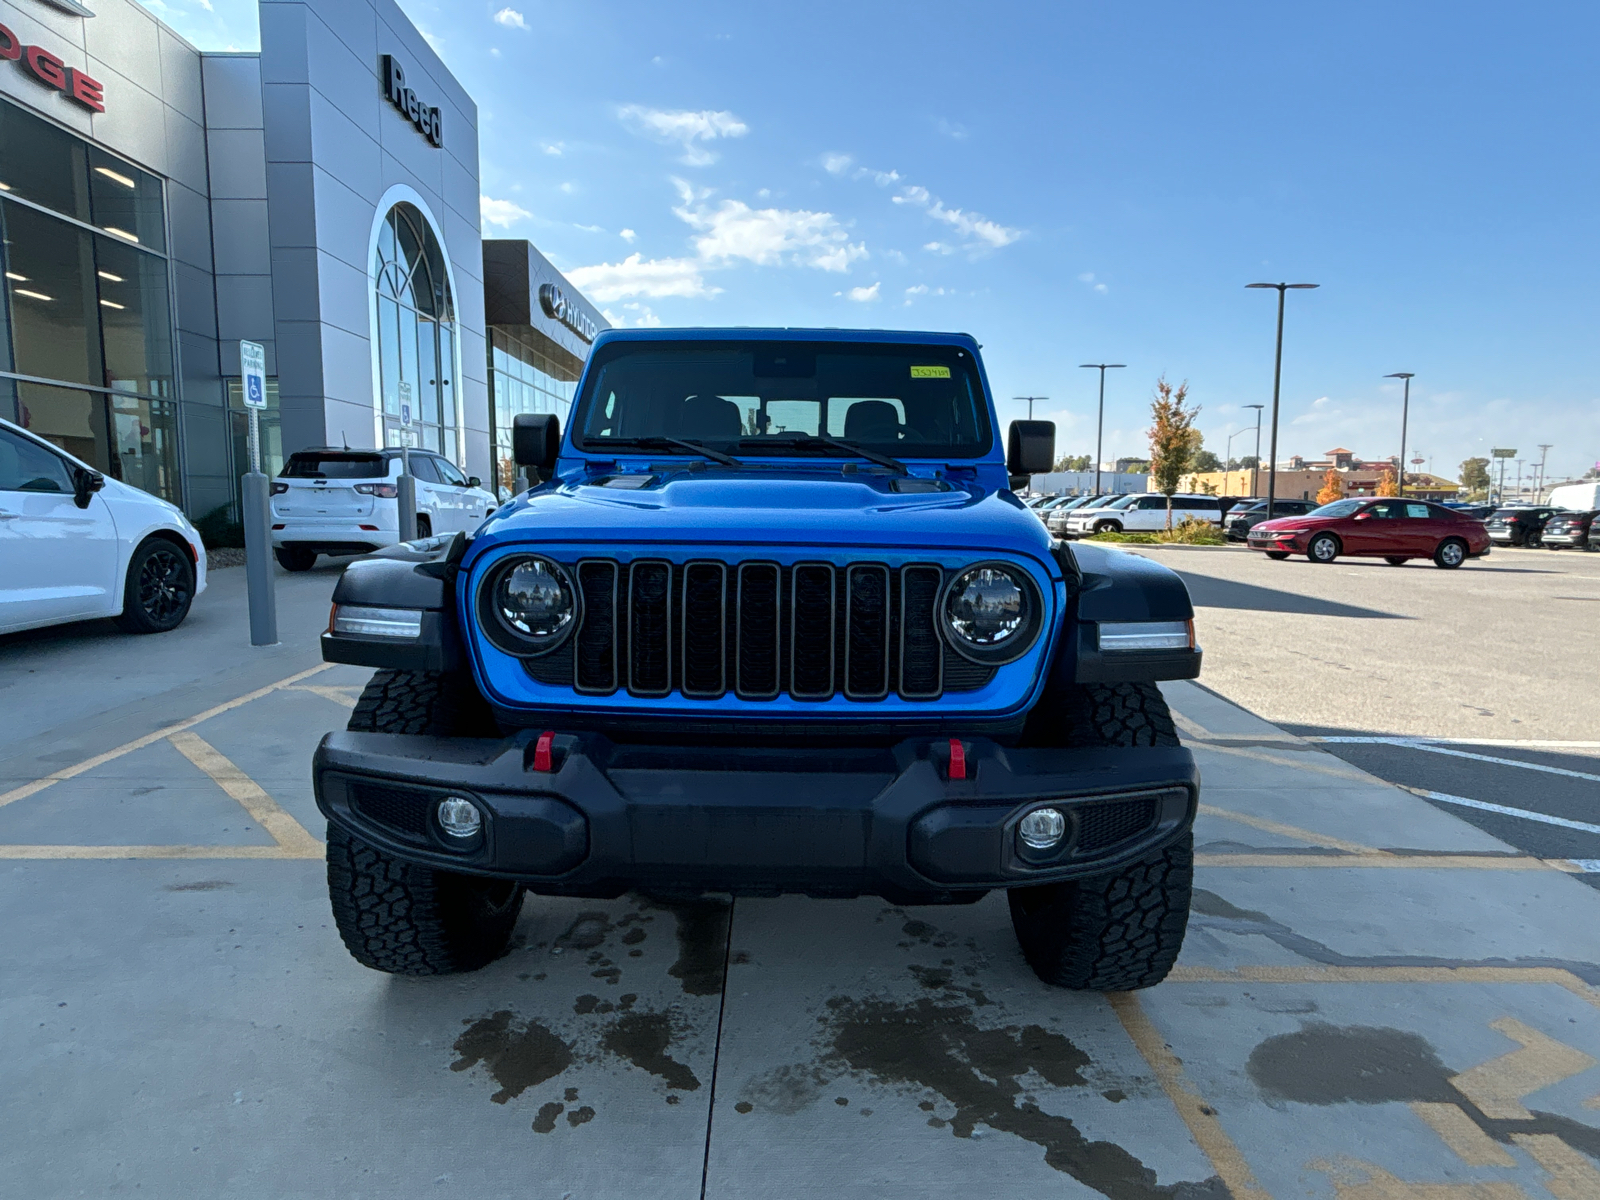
(84, 485)
(1031, 447)
(535, 438)
(474, 481)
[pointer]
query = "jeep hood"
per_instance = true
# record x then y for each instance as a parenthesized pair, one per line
(771, 508)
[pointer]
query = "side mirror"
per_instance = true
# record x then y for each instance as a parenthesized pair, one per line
(1030, 447)
(535, 438)
(474, 481)
(84, 485)
(1362, 516)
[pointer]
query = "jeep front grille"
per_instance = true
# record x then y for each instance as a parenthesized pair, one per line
(758, 630)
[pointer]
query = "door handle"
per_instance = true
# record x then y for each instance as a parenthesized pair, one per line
(8, 516)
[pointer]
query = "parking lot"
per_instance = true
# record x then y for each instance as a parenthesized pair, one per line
(1384, 995)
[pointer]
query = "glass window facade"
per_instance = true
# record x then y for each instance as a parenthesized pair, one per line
(522, 379)
(416, 333)
(86, 302)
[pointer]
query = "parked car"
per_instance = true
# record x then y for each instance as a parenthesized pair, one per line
(700, 657)
(1565, 529)
(1056, 519)
(1518, 525)
(338, 501)
(1143, 512)
(76, 545)
(1394, 530)
(1479, 512)
(1239, 521)
(1049, 504)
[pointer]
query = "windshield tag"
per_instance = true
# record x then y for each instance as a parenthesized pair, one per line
(930, 372)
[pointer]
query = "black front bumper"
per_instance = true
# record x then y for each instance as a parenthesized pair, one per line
(836, 822)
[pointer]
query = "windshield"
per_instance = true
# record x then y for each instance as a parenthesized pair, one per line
(311, 465)
(1339, 508)
(1124, 501)
(781, 398)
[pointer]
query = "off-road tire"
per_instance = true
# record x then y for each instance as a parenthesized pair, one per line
(158, 588)
(1313, 555)
(398, 916)
(1396, 560)
(1121, 930)
(1452, 552)
(1278, 555)
(295, 558)
(406, 919)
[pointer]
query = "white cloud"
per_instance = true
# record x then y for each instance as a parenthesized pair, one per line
(1088, 278)
(591, 228)
(569, 187)
(940, 248)
(554, 149)
(494, 51)
(766, 236)
(920, 289)
(627, 235)
(688, 129)
(503, 213)
(836, 164)
(978, 230)
(952, 129)
(862, 295)
(638, 276)
(510, 18)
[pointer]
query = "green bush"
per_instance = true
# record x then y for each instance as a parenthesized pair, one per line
(1144, 539)
(1189, 532)
(218, 529)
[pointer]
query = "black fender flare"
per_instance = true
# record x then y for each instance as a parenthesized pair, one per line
(1105, 584)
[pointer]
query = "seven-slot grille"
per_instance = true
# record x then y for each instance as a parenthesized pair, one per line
(758, 630)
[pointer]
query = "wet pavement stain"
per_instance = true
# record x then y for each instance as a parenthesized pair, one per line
(702, 944)
(580, 1116)
(586, 932)
(785, 1090)
(517, 1059)
(926, 1044)
(200, 885)
(1358, 1064)
(643, 1039)
(545, 1122)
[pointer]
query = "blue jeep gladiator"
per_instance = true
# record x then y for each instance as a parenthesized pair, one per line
(770, 619)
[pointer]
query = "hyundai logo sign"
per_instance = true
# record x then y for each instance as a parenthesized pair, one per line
(558, 308)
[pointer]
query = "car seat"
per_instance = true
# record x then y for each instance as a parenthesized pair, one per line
(710, 418)
(871, 421)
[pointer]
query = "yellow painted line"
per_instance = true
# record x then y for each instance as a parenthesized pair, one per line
(1316, 974)
(1497, 1086)
(1572, 1176)
(1200, 1117)
(1461, 1133)
(266, 812)
(1291, 831)
(339, 695)
(1189, 727)
(1380, 858)
(1356, 1180)
(89, 764)
(1302, 762)
(119, 852)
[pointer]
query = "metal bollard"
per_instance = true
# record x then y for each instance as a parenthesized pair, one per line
(406, 498)
(258, 560)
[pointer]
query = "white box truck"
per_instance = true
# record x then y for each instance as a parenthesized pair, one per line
(1577, 497)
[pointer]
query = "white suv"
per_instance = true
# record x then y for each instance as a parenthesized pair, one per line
(1142, 512)
(328, 501)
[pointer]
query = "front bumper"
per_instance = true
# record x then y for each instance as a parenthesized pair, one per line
(358, 535)
(604, 818)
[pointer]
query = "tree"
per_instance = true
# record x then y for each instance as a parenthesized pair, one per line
(1081, 462)
(1205, 460)
(1387, 484)
(1475, 476)
(1332, 487)
(1174, 441)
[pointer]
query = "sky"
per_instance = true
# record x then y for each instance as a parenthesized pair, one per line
(1077, 183)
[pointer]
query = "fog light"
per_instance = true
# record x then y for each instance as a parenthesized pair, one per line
(1042, 829)
(459, 818)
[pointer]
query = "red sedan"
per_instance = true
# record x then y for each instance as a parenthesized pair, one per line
(1393, 530)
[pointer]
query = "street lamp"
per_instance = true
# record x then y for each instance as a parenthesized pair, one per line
(1255, 471)
(1277, 376)
(1405, 409)
(1100, 424)
(1227, 456)
(1030, 400)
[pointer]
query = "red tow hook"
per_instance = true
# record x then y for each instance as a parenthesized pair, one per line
(958, 760)
(541, 750)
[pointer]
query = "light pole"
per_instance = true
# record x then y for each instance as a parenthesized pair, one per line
(1544, 451)
(1227, 455)
(1277, 377)
(1030, 400)
(1100, 424)
(1255, 471)
(1405, 410)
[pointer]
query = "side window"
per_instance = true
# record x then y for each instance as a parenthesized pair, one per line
(28, 467)
(1389, 508)
(422, 467)
(1418, 512)
(1154, 502)
(1203, 504)
(448, 472)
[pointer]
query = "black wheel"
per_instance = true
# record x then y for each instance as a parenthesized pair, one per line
(159, 588)
(295, 558)
(424, 526)
(398, 916)
(1452, 552)
(1324, 548)
(1396, 560)
(1280, 555)
(1121, 930)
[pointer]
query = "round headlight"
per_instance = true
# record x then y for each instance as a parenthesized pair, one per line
(991, 613)
(533, 604)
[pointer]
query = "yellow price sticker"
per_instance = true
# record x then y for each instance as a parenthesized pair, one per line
(930, 372)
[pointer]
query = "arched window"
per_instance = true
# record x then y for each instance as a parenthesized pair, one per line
(416, 332)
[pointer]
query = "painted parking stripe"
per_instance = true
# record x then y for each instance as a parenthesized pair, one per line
(89, 764)
(252, 797)
(1503, 810)
(1414, 744)
(1508, 743)
(32, 851)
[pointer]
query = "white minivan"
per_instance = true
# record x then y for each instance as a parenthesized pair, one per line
(1143, 512)
(75, 545)
(338, 501)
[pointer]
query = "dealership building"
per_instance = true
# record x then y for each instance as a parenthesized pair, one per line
(159, 204)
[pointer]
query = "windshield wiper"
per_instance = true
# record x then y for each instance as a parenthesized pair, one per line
(661, 442)
(822, 439)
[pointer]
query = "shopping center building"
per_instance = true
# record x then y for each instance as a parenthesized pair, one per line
(321, 197)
